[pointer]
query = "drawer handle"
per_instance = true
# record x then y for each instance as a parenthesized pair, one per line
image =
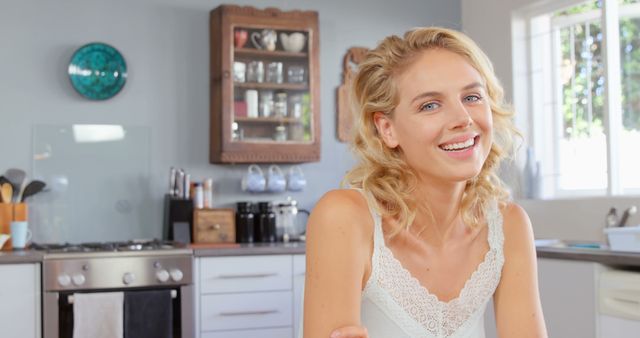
(249, 275)
(248, 313)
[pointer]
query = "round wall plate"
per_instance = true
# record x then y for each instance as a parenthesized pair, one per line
(97, 71)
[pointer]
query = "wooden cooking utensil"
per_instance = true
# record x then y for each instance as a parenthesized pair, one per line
(6, 192)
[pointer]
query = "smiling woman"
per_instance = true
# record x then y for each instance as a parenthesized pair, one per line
(427, 235)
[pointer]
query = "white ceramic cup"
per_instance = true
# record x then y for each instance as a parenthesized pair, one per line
(253, 180)
(20, 234)
(276, 181)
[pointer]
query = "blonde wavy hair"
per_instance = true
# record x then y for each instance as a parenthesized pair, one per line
(381, 171)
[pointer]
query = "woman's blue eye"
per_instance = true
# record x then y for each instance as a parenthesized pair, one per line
(430, 106)
(472, 98)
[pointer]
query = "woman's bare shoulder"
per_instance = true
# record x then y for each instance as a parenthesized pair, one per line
(345, 209)
(518, 232)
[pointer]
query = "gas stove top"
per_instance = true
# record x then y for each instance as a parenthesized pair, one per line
(111, 249)
(108, 246)
(107, 265)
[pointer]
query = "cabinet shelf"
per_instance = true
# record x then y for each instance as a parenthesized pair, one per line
(253, 53)
(267, 120)
(269, 85)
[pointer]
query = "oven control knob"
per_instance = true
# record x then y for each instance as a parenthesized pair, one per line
(176, 275)
(128, 278)
(64, 279)
(162, 275)
(78, 279)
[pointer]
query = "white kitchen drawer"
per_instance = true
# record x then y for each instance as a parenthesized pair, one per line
(245, 274)
(260, 333)
(246, 310)
(299, 265)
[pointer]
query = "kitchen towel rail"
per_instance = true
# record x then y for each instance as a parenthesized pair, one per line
(70, 298)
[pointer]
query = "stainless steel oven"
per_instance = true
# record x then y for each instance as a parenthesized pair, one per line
(109, 267)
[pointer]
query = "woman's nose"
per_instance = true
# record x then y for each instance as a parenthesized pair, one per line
(460, 117)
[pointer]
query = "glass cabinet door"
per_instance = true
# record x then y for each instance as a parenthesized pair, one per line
(271, 99)
(265, 85)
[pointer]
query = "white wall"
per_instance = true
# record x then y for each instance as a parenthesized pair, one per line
(166, 45)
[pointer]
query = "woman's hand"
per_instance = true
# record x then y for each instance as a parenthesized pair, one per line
(350, 332)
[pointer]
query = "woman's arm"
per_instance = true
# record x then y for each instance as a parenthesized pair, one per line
(517, 300)
(338, 251)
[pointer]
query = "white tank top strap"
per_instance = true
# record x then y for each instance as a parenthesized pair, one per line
(378, 236)
(494, 222)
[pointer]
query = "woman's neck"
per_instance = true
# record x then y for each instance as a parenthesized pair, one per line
(443, 200)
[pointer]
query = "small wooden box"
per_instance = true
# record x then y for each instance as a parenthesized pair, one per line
(214, 226)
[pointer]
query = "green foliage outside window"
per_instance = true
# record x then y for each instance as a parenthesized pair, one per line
(582, 76)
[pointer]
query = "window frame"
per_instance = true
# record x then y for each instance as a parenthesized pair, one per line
(528, 33)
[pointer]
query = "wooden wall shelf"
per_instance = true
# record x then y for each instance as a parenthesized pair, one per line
(230, 136)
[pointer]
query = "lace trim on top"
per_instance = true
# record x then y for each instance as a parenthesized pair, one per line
(405, 300)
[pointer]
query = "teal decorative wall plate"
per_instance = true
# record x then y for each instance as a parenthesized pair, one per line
(97, 71)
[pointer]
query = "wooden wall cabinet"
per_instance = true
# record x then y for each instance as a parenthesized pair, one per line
(265, 94)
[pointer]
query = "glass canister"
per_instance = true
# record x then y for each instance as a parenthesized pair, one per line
(266, 103)
(274, 72)
(295, 106)
(280, 134)
(280, 104)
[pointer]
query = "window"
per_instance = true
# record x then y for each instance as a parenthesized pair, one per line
(579, 81)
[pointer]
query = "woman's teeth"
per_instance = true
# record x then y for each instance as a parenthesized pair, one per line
(459, 146)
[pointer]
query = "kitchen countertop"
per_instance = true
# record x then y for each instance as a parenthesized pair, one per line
(603, 256)
(249, 249)
(199, 250)
(20, 257)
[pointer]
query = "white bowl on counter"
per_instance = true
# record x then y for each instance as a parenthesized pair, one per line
(624, 239)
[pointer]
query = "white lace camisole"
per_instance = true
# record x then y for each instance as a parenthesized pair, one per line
(395, 304)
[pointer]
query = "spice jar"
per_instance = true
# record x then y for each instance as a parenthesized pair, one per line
(280, 105)
(280, 134)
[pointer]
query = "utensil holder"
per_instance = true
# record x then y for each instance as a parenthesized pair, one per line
(177, 211)
(10, 212)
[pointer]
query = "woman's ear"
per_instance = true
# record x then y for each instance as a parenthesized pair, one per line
(385, 128)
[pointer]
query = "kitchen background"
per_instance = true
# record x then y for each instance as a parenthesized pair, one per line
(165, 102)
(166, 47)
(118, 188)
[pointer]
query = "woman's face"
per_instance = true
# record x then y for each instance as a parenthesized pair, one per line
(443, 122)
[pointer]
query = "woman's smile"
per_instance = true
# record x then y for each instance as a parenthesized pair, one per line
(461, 149)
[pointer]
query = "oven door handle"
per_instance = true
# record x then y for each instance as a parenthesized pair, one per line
(248, 275)
(248, 313)
(70, 298)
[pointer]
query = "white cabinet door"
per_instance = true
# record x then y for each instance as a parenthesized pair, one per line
(247, 296)
(260, 333)
(568, 292)
(20, 300)
(299, 268)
